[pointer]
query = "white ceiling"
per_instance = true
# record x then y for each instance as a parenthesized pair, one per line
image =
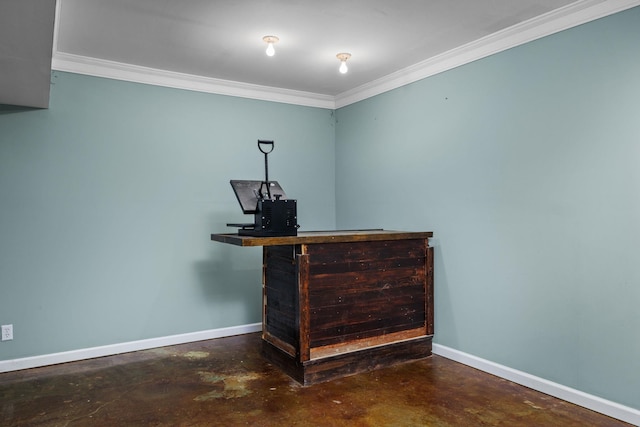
(222, 39)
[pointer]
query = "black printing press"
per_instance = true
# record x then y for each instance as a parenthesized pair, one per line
(274, 214)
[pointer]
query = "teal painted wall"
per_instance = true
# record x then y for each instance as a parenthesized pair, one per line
(109, 197)
(526, 165)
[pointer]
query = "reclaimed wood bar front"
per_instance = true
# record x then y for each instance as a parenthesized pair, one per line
(336, 303)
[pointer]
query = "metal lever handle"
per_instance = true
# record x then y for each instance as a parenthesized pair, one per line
(262, 143)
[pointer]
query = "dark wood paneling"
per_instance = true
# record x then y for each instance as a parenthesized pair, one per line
(286, 252)
(371, 292)
(349, 324)
(338, 266)
(366, 306)
(333, 309)
(281, 308)
(350, 333)
(284, 361)
(362, 290)
(375, 281)
(371, 251)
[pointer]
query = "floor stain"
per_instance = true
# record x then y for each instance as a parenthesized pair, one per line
(233, 386)
(194, 355)
(533, 405)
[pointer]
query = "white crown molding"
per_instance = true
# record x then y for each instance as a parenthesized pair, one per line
(110, 350)
(135, 73)
(574, 14)
(577, 397)
(555, 21)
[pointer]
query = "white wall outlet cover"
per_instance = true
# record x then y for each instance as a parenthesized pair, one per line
(7, 332)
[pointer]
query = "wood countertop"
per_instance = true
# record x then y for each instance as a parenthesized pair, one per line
(306, 237)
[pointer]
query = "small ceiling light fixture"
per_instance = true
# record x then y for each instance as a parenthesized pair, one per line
(343, 61)
(270, 41)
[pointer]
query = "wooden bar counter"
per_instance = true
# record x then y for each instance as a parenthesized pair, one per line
(336, 303)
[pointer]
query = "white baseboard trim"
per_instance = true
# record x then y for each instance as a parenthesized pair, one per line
(110, 350)
(594, 403)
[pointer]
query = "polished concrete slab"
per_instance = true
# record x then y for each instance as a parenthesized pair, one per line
(225, 382)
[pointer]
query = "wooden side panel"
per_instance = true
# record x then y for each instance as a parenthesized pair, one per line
(281, 299)
(302, 263)
(360, 290)
(430, 297)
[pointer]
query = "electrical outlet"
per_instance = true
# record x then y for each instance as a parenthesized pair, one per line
(7, 332)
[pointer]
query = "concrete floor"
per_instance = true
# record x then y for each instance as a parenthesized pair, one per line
(225, 382)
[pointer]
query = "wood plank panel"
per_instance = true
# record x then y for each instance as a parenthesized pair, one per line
(346, 294)
(337, 333)
(338, 267)
(363, 290)
(281, 296)
(356, 344)
(349, 283)
(282, 328)
(346, 319)
(371, 251)
(369, 305)
(345, 338)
